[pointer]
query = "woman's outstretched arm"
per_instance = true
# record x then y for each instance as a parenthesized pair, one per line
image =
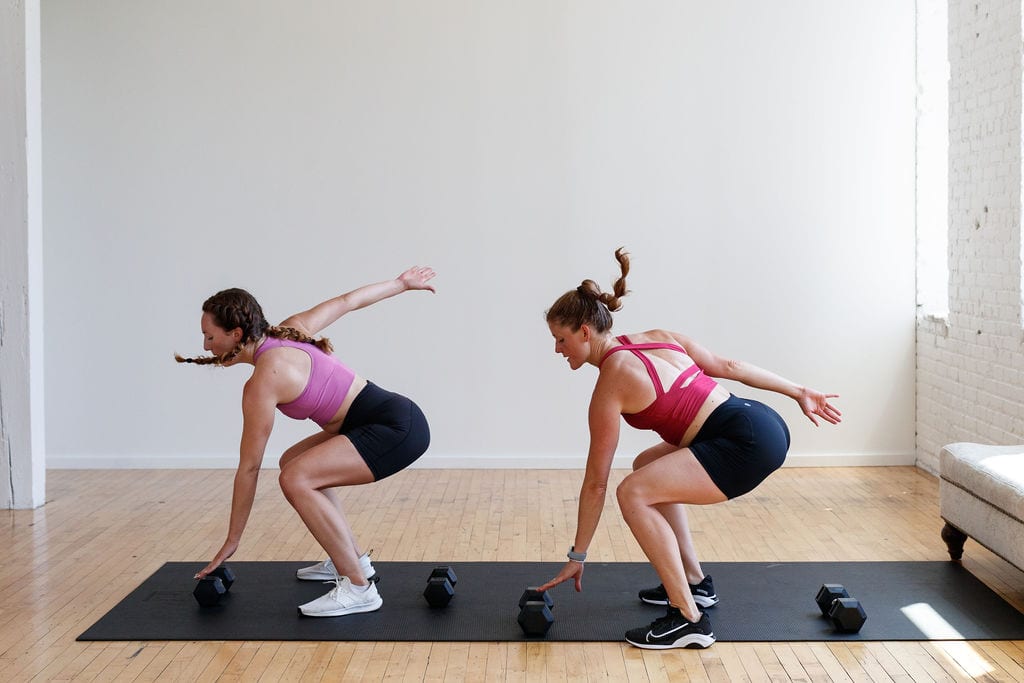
(814, 404)
(312, 321)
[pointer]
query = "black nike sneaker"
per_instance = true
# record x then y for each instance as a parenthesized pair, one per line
(672, 630)
(703, 594)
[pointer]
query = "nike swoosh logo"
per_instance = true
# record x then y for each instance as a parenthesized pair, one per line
(651, 634)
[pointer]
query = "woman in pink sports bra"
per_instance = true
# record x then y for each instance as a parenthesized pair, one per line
(366, 433)
(715, 446)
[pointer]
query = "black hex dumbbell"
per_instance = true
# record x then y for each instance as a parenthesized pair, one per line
(214, 586)
(535, 617)
(847, 615)
(440, 586)
(225, 574)
(533, 594)
(827, 593)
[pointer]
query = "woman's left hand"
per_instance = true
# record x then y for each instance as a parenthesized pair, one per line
(417, 277)
(814, 403)
(226, 551)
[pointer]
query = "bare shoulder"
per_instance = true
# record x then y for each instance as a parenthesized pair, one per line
(608, 390)
(259, 388)
(655, 336)
(659, 336)
(296, 323)
(278, 372)
(271, 365)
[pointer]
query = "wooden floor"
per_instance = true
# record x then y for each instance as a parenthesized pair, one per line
(103, 532)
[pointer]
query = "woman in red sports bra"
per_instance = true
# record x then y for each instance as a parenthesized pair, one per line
(715, 446)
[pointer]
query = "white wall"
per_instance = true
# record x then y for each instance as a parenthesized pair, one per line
(756, 158)
(970, 378)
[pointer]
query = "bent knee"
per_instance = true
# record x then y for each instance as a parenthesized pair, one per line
(630, 492)
(292, 481)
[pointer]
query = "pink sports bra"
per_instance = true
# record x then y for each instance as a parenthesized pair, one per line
(329, 382)
(672, 411)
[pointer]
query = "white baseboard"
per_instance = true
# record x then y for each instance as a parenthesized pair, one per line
(432, 461)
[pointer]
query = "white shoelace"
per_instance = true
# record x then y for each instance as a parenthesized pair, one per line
(336, 592)
(351, 597)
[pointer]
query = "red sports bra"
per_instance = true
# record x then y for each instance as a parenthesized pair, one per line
(672, 411)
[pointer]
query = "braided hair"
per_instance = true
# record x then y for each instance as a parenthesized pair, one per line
(237, 308)
(588, 305)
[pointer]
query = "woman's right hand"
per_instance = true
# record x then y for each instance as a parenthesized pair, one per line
(571, 571)
(226, 551)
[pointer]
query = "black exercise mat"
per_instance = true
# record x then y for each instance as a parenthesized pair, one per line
(759, 602)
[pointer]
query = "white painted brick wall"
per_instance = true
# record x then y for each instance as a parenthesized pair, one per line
(970, 369)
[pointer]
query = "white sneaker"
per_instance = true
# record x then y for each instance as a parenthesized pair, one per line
(325, 571)
(343, 599)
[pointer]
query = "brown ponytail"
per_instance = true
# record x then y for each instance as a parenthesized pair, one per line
(292, 334)
(206, 360)
(588, 305)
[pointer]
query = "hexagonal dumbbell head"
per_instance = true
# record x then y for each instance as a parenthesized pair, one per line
(847, 615)
(225, 574)
(209, 590)
(532, 594)
(446, 572)
(439, 591)
(535, 618)
(827, 593)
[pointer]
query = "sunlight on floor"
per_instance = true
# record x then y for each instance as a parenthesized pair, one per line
(934, 627)
(930, 623)
(964, 655)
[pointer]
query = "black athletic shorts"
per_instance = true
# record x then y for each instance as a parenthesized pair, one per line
(740, 444)
(388, 430)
